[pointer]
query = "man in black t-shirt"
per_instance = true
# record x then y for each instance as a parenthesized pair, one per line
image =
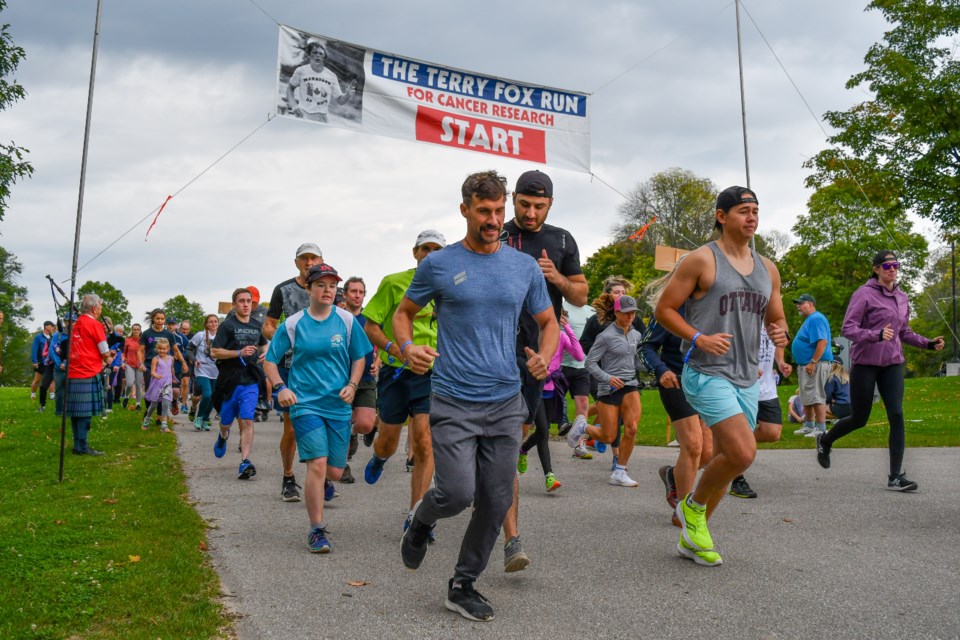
(556, 252)
(289, 297)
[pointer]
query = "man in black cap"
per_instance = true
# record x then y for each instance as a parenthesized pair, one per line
(559, 258)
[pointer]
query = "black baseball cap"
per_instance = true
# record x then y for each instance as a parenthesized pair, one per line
(882, 257)
(732, 196)
(534, 183)
(321, 270)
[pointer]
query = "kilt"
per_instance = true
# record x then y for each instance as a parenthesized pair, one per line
(84, 397)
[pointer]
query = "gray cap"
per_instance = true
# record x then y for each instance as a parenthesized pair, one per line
(431, 237)
(626, 304)
(309, 248)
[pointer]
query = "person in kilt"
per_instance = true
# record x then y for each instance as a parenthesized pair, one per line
(88, 354)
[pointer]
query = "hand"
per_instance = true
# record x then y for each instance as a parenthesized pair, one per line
(375, 367)
(563, 320)
(419, 357)
(887, 333)
(785, 369)
(536, 365)
(286, 398)
(716, 344)
(810, 367)
(777, 335)
(546, 266)
(247, 351)
(669, 380)
(938, 343)
(142, 367)
(352, 87)
(347, 394)
(616, 383)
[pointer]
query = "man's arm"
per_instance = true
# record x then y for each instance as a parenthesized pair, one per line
(269, 327)
(538, 362)
(684, 282)
(379, 339)
(574, 288)
(418, 357)
(775, 319)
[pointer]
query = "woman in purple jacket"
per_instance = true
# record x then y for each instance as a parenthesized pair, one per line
(876, 323)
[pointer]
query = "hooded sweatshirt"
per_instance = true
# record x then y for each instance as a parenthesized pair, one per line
(872, 307)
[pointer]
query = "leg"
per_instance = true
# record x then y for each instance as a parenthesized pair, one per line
(630, 413)
(689, 434)
(609, 415)
(246, 437)
(890, 385)
(387, 440)
(313, 489)
(422, 447)
(863, 378)
(288, 445)
(735, 448)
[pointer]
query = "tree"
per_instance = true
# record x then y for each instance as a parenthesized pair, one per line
(182, 309)
(14, 335)
(115, 304)
(626, 258)
(13, 167)
(932, 312)
(682, 203)
(775, 243)
(909, 131)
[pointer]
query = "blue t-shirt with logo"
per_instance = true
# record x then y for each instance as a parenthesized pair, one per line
(322, 359)
(814, 329)
(478, 298)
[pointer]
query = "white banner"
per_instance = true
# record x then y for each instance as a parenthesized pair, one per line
(332, 82)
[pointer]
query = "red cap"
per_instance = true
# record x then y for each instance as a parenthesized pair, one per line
(254, 292)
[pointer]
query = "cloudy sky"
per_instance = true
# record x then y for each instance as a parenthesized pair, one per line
(180, 82)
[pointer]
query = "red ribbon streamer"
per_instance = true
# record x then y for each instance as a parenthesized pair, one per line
(642, 231)
(156, 216)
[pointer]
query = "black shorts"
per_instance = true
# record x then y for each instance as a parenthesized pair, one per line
(675, 403)
(769, 411)
(616, 397)
(401, 396)
(578, 380)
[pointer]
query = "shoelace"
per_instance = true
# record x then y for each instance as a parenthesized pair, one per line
(316, 534)
(467, 588)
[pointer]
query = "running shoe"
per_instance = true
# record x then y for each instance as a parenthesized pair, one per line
(184, 408)
(352, 447)
(741, 489)
(374, 469)
(619, 478)
(175, 409)
(164, 428)
(467, 601)
(192, 415)
(581, 452)
(522, 463)
(579, 428)
(220, 446)
(317, 541)
(408, 467)
(670, 484)
(815, 432)
(823, 452)
(206, 425)
(92, 452)
(431, 535)
(146, 424)
(694, 525)
(601, 447)
(289, 489)
(514, 559)
(564, 429)
(802, 431)
(703, 558)
(123, 403)
(198, 424)
(329, 491)
(368, 437)
(899, 482)
(413, 544)
(590, 444)
(552, 483)
(246, 470)
(347, 476)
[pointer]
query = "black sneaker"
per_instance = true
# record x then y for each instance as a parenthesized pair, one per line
(368, 437)
(467, 601)
(246, 470)
(413, 544)
(290, 490)
(409, 464)
(354, 445)
(93, 452)
(741, 489)
(124, 402)
(192, 415)
(564, 428)
(347, 477)
(823, 452)
(899, 482)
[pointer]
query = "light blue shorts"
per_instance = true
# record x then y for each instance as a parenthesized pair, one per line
(319, 437)
(717, 399)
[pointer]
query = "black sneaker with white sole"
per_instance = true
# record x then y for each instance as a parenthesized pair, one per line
(900, 482)
(347, 476)
(741, 488)
(467, 601)
(290, 490)
(413, 545)
(823, 451)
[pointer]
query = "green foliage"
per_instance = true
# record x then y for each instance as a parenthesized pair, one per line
(182, 309)
(115, 304)
(14, 335)
(115, 550)
(13, 166)
(626, 258)
(933, 316)
(909, 131)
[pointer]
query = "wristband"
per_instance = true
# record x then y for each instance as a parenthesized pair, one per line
(693, 345)
(405, 345)
(390, 358)
(277, 388)
(354, 385)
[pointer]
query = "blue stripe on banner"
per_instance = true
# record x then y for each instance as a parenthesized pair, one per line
(431, 76)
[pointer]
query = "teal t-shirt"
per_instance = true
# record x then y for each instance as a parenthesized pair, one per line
(321, 361)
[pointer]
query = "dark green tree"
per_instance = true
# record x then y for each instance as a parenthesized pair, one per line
(13, 166)
(182, 309)
(932, 311)
(626, 258)
(115, 304)
(909, 128)
(14, 334)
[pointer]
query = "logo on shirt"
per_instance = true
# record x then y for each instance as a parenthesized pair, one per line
(460, 278)
(336, 340)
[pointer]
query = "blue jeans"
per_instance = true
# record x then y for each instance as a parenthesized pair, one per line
(205, 387)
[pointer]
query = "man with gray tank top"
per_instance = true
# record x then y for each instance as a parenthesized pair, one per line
(730, 292)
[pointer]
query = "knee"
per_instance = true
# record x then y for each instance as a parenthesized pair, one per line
(363, 424)
(334, 473)
(453, 500)
(422, 446)
(742, 456)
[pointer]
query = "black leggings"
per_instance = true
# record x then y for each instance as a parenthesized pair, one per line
(540, 439)
(889, 381)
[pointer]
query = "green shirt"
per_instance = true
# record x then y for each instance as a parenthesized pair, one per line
(381, 307)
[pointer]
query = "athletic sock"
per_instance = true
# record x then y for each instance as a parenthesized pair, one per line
(619, 467)
(694, 503)
(821, 426)
(808, 424)
(314, 526)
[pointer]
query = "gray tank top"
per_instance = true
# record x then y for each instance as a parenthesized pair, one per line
(735, 304)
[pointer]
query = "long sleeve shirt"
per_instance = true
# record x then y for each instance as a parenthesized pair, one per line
(568, 344)
(614, 353)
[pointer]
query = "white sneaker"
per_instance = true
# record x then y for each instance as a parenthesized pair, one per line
(619, 478)
(576, 432)
(813, 433)
(33, 396)
(802, 431)
(52, 396)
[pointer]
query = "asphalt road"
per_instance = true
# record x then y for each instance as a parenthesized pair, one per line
(829, 554)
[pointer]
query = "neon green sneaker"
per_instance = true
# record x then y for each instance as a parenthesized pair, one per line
(552, 482)
(703, 558)
(522, 464)
(694, 526)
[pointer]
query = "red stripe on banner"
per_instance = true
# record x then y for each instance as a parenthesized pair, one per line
(156, 216)
(472, 134)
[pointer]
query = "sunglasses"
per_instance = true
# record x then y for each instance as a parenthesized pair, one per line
(890, 265)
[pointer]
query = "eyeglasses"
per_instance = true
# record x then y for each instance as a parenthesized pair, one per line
(890, 265)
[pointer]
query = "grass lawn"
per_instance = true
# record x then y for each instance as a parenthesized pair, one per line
(115, 550)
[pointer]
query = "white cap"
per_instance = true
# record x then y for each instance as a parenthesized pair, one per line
(431, 237)
(309, 248)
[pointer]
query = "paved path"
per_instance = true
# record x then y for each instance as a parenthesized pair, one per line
(820, 554)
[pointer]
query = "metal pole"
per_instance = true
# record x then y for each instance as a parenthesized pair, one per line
(743, 100)
(76, 235)
(953, 271)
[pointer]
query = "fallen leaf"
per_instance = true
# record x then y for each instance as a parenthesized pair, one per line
(203, 545)
(357, 583)
(86, 497)
(58, 522)
(2, 435)
(110, 500)
(134, 558)
(789, 520)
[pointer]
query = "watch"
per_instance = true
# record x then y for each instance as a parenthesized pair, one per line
(277, 388)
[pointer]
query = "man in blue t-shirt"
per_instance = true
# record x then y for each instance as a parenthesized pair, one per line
(814, 358)
(328, 349)
(478, 285)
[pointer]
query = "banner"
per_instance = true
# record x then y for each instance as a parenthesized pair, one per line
(332, 82)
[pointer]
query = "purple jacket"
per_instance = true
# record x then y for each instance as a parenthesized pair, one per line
(872, 307)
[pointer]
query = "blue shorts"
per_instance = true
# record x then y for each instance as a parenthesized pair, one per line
(399, 397)
(285, 376)
(319, 437)
(717, 399)
(241, 404)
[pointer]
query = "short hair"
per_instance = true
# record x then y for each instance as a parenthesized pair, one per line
(162, 341)
(237, 292)
(351, 280)
(118, 326)
(89, 302)
(485, 185)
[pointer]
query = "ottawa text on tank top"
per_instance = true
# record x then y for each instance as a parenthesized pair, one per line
(735, 304)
